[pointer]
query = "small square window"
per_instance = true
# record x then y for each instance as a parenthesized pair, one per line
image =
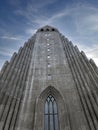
(49, 76)
(48, 49)
(49, 65)
(48, 56)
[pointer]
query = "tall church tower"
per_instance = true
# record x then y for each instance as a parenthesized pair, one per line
(49, 85)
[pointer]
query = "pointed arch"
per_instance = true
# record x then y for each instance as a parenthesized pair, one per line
(50, 90)
(40, 109)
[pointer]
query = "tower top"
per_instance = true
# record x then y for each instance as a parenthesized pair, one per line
(47, 28)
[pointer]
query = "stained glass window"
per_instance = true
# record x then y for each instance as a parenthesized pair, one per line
(51, 114)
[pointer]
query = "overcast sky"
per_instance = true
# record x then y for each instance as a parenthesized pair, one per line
(76, 19)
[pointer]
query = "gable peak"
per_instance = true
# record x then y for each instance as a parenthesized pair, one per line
(47, 28)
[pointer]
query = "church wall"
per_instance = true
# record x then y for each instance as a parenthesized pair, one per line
(48, 63)
(60, 78)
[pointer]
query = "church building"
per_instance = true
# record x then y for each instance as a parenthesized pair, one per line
(49, 85)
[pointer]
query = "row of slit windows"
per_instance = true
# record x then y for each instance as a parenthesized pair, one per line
(50, 109)
(51, 114)
(47, 29)
(48, 56)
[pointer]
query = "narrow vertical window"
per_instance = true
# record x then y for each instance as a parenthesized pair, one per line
(51, 114)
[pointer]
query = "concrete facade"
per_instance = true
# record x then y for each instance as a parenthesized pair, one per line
(49, 63)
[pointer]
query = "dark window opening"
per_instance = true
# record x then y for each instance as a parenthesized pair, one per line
(51, 114)
(53, 29)
(49, 65)
(41, 30)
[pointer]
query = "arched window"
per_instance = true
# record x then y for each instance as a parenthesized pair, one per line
(51, 114)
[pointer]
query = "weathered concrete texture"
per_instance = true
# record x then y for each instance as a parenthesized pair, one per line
(49, 63)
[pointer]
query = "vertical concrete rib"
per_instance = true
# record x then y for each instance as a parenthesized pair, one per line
(17, 98)
(73, 62)
(22, 86)
(76, 70)
(10, 104)
(13, 82)
(91, 72)
(15, 114)
(3, 97)
(89, 99)
(90, 79)
(93, 64)
(77, 81)
(4, 69)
